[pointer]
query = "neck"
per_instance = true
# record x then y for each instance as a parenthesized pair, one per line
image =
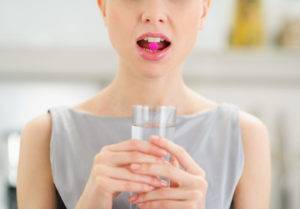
(128, 89)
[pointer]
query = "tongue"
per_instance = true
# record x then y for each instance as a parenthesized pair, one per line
(152, 45)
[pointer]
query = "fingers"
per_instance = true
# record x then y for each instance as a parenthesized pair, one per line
(124, 174)
(165, 193)
(138, 145)
(175, 163)
(181, 155)
(166, 204)
(116, 185)
(122, 158)
(163, 170)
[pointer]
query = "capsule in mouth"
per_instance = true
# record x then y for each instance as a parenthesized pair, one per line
(153, 46)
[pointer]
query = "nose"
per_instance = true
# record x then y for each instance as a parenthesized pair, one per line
(153, 19)
(154, 12)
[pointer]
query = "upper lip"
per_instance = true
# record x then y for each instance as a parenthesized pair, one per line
(153, 34)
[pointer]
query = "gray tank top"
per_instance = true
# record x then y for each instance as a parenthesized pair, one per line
(212, 138)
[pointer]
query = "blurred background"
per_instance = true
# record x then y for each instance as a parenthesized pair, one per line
(58, 53)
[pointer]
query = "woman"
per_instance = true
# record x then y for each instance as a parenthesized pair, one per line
(82, 157)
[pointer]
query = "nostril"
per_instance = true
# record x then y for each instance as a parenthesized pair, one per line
(160, 20)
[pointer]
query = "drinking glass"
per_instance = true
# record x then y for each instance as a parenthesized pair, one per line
(153, 120)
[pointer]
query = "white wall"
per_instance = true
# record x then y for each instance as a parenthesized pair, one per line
(79, 22)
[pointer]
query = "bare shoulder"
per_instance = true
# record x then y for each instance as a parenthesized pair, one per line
(250, 123)
(256, 141)
(36, 134)
(253, 189)
(34, 181)
(39, 126)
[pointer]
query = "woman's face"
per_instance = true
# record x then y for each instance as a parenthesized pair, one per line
(179, 20)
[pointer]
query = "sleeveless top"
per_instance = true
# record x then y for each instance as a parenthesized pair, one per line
(212, 138)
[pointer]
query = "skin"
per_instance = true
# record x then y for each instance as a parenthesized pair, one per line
(152, 83)
(159, 82)
(253, 188)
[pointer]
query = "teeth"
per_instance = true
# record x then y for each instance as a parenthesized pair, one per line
(154, 39)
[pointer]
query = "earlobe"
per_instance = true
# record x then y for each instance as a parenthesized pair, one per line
(101, 4)
(200, 26)
(206, 6)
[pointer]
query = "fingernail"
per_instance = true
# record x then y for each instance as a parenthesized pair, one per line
(160, 160)
(135, 166)
(149, 188)
(133, 198)
(163, 183)
(167, 157)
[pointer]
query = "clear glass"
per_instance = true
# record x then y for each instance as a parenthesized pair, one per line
(147, 121)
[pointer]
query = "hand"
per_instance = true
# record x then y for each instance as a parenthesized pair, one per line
(191, 186)
(110, 174)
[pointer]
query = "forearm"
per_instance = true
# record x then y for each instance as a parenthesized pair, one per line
(90, 202)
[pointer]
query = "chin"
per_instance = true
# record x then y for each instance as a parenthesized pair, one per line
(153, 72)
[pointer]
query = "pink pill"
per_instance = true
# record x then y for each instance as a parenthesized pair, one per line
(153, 46)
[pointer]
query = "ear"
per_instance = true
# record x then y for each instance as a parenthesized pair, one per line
(206, 6)
(101, 4)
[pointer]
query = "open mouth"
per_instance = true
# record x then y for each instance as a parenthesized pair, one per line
(153, 46)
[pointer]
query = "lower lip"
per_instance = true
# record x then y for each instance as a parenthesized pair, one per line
(153, 56)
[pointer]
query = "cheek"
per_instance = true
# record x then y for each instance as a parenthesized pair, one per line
(188, 30)
(119, 30)
(192, 19)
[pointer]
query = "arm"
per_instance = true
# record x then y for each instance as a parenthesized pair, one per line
(253, 189)
(35, 189)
